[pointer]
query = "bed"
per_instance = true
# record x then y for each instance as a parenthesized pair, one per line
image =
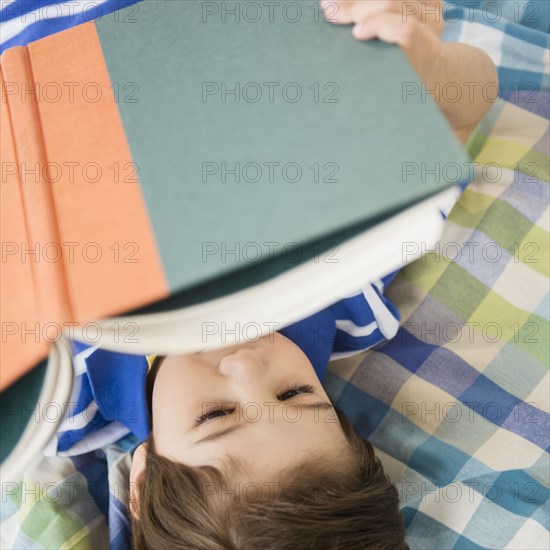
(457, 404)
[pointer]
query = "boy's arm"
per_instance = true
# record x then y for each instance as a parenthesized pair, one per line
(462, 79)
(474, 80)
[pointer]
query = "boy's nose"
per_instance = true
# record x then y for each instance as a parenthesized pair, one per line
(246, 363)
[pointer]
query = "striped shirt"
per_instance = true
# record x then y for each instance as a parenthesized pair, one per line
(23, 21)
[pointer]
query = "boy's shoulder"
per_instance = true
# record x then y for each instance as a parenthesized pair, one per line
(350, 326)
(108, 401)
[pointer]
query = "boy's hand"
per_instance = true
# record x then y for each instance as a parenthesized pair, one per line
(417, 26)
(414, 25)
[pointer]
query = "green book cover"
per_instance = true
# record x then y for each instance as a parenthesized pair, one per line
(259, 132)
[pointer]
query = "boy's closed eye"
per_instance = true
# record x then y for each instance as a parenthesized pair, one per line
(216, 435)
(215, 410)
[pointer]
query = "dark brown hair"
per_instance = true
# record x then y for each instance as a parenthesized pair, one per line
(326, 509)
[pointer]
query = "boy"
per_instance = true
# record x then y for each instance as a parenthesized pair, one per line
(246, 450)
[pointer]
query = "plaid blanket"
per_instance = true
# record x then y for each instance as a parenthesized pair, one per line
(457, 404)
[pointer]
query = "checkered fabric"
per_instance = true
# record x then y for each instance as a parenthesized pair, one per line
(457, 404)
(71, 503)
(515, 35)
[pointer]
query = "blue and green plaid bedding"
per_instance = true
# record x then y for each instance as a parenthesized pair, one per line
(457, 404)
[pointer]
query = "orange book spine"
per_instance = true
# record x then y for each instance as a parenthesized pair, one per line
(110, 252)
(27, 225)
(74, 208)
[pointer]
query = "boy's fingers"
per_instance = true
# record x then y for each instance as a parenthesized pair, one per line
(337, 12)
(419, 42)
(388, 27)
(344, 12)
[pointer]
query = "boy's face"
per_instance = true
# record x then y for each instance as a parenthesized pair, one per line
(260, 402)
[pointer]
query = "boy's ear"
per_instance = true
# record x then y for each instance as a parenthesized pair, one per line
(136, 473)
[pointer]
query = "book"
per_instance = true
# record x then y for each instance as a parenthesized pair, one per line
(190, 162)
(32, 409)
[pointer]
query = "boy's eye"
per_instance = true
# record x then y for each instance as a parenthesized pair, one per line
(289, 393)
(210, 415)
(294, 391)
